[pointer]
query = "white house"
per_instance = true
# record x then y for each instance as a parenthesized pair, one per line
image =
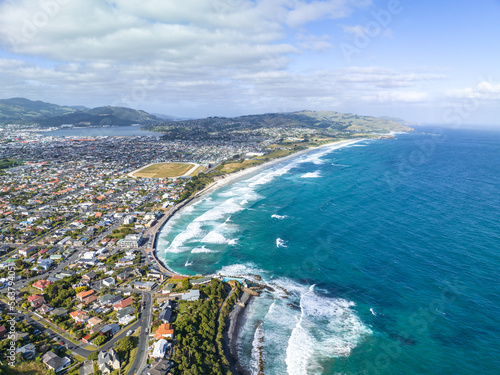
(108, 281)
(159, 348)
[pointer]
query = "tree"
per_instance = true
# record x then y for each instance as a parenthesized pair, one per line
(100, 340)
(93, 356)
(80, 289)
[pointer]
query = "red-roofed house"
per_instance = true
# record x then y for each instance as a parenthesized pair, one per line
(79, 316)
(164, 330)
(36, 301)
(123, 303)
(41, 284)
(85, 294)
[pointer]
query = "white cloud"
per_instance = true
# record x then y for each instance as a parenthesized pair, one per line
(484, 90)
(355, 30)
(139, 30)
(209, 56)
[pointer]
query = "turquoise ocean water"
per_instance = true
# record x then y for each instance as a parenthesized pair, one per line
(383, 256)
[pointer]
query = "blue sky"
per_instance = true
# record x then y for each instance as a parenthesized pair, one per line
(423, 61)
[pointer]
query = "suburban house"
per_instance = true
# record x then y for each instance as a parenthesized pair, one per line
(159, 348)
(144, 285)
(160, 367)
(87, 368)
(125, 311)
(126, 319)
(110, 329)
(122, 304)
(41, 284)
(28, 351)
(97, 327)
(79, 316)
(89, 276)
(54, 362)
(28, 251)
(108, 361)
(165, 330)
(36, 300)
(108, 300)
(94, 321)
(80, 296)
(44, 309)
(59, 311)
(165, 315)
(89, 299)
(108, 281)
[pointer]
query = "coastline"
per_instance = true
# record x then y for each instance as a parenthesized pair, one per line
(223, 181)
(237, 316)
(231, 177)
(227, 179)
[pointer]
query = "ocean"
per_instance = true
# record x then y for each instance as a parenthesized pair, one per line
(383, 255)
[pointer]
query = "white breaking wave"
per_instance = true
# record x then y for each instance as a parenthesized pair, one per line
(201, 250)
(280, 242)
(220, 211)
(327, 328)
(192, 231)
(279, 217)
(311, 175)
(257, 350)
(316, 328)
(373, 312)
(214, 237)
(246, 270)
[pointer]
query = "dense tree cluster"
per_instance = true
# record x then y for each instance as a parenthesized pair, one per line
(196, 351)
(196, 184)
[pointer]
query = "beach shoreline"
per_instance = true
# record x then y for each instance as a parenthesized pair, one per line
(237, 316)
(224, 180)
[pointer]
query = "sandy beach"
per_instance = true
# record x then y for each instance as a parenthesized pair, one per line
(228, 178)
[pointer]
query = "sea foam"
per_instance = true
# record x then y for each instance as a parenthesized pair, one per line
(311, 175)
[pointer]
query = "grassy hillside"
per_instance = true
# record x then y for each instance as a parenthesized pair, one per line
(26, 112)
(102, 116)
(328, 123)
(20, 110)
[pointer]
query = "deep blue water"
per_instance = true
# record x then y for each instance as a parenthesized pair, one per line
(388, 250)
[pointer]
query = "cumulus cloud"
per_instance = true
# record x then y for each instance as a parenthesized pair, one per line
(207, 54)
(484, 90)
(138, 30)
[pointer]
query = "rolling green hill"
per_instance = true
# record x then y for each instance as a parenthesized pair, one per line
(328, 123)
(28, 112)
(102, 116)
(24, 111)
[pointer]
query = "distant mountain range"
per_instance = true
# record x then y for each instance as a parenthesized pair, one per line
(27, 112)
